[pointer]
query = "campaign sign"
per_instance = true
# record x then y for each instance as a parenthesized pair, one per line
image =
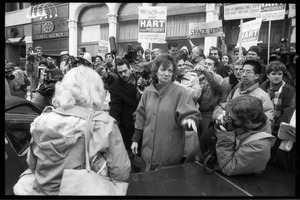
(272, 11)
(250, 33)
(292, 10)
(241, 11)
(205, 29)
(103, 46)
(152, 24)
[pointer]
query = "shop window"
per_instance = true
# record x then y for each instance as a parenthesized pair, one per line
(90, 33)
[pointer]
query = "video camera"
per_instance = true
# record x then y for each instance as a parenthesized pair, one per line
(130, 54)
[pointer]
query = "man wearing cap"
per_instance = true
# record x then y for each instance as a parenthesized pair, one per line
(64, 65)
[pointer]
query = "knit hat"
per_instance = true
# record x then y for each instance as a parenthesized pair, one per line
(256, 49)
(185, 49)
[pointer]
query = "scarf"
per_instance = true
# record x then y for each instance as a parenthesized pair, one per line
(276, 97)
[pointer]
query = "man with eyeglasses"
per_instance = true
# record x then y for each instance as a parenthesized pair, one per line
(249, 84)
(254, 53)
(124, 101)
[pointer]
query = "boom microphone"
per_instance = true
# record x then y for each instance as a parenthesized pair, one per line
(113, 46)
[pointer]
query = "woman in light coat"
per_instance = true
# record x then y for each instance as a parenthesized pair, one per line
(164, 112)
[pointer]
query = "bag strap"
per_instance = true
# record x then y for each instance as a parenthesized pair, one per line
(88, 128)
(257, 136)
(208, 157)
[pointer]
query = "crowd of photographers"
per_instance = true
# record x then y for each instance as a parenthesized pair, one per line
(213, 79)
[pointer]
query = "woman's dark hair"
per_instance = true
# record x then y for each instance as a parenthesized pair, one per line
(99, 57)
(275, 66)
(181, 55)
(165, 60)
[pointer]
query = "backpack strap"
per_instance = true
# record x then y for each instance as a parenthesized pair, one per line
(257, 136)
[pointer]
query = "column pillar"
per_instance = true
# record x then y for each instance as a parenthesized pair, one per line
(212, 14)
(73, 35)
(112, 30)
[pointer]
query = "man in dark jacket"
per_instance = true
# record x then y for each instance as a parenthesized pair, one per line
(124, 100)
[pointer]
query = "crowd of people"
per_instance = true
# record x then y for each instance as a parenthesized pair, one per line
(157, 101)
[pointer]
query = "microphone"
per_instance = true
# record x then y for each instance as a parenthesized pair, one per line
(113, 46)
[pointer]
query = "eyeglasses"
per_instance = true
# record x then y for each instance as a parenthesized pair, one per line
(246, 72)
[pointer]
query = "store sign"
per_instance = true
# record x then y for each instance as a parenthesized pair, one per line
(241, 11)
(50, 36)
(48, 27)
(152, 24)
(249, 34)
(272, 11)
(205, 29)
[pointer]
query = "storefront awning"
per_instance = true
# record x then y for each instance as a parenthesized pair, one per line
(14, 40)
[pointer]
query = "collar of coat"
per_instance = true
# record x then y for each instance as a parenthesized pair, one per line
(162, 89)
(245, 90)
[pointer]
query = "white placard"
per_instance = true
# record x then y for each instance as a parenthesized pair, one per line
(206, 29)
(272, 11)
(241, 11)
(152, 24)
(250, 33)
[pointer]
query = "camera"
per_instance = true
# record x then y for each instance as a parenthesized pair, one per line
(130, 54)
(226, 122)
(9, 74)
(144, 79)
(47, 88)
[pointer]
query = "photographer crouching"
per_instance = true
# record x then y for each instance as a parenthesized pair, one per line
(238, 143)
(43, 95)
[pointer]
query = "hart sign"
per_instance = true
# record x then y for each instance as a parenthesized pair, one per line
(250, 33)
(272, 11)
(208, 29)
(152, 24)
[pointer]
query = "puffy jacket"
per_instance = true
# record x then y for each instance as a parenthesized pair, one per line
(58, 144)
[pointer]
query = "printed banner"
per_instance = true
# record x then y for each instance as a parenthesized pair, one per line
(103, 47)
(241, 11)
(205, 29)
(249, 34)
(272, 11)
(292, 10)
(152, 24)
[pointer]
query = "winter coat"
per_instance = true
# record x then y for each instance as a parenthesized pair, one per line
(256, 91)
(160, 114)
(213, 92)
(286, 97)
(58, 144)
(236, 156)
(123, 103)
(190, 81)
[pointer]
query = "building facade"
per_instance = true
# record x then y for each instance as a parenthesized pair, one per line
(88, 24)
